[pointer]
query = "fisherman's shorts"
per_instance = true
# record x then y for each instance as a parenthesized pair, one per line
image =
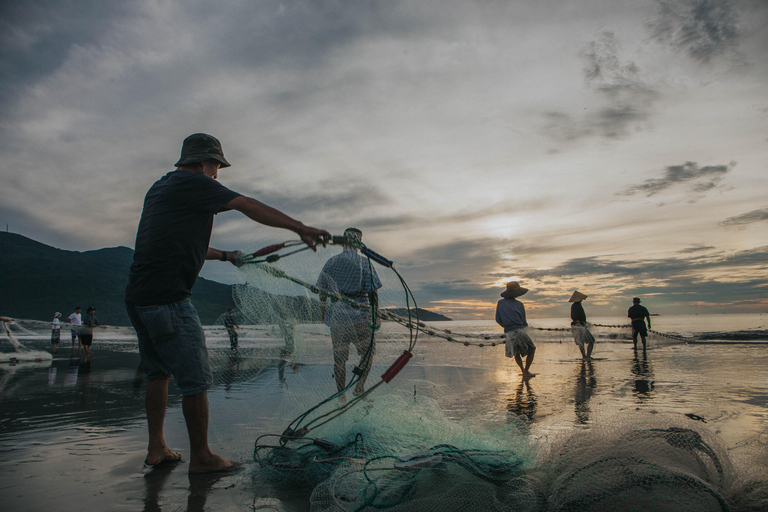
(582, 336)
(638, 327)
(55, 336)
(172, 343)
(357, 334)
(518, 344)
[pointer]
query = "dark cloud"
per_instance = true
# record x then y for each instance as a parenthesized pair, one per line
(703, 29)
(628, 99)
(335, 198)
(696, 249)
(700, 179)
(746, 218)
(37, 36)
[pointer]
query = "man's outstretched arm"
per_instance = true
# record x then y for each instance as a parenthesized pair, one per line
(263, 214)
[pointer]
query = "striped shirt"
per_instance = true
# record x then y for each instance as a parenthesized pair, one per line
(349, 274)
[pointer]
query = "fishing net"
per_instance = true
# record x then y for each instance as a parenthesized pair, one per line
(351, 433)
(637, 463)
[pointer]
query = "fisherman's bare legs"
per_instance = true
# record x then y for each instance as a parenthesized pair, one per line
(201, 458)
(366, 349)
(156, 403)
(528, 362)
(340, 373)
(589, 349)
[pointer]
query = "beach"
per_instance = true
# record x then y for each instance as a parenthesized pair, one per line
(73, 435)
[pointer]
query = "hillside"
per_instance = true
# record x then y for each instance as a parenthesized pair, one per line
(38, 280)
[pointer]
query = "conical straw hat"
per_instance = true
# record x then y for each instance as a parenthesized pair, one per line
(577, 297)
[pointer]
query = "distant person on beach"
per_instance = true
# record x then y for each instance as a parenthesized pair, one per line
(75, 320)
(86, 329)
(172, 244)
(230, 324)
(350, 275)
(638, 315)
(510, 314)
(56, 331)
(581, 335)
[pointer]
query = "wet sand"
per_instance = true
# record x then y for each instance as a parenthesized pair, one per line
(72, 432)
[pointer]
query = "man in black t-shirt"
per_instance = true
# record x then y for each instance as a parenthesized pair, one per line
(638, 315)
(171, 248)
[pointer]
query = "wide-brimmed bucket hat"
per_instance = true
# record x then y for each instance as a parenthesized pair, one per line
(513, 290)
(200, 147)
(577, 297)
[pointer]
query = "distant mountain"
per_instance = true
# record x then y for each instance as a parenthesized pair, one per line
(424, 315)
(38, 280)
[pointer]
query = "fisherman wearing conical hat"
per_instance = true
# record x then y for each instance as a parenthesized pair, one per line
(510, 314)
(581, 335)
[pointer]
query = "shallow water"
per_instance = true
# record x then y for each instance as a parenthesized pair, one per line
(72, 432)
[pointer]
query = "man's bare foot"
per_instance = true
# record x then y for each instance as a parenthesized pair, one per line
(528, 375)
(167, 456)
(213, 464)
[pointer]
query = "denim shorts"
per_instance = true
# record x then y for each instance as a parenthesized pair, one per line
(172, 343)
(358, 334)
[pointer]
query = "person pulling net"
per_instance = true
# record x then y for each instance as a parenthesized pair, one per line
(361, 299)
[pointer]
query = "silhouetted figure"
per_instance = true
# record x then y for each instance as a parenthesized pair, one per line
(638, 316)
(86, 329)
(230, 323)
(581, 335)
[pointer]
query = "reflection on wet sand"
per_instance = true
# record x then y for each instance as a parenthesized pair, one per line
(643, 373)
(523, 402)
(200, 487)
(585, 387)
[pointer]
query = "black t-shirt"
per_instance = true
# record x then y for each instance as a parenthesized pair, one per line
(173, 236)
(638, 312)
(578, 316)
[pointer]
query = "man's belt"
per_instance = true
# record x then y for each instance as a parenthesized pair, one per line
(353, 296)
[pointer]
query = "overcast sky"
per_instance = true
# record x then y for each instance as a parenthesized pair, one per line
(617, 147)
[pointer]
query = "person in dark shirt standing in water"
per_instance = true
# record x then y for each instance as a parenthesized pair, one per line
(230, 324)
(171, 247)
(638, 315)
(581, 335)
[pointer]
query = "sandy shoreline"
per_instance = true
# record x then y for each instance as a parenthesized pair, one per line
(72, 436)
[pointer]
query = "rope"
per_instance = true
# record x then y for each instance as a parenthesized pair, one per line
(303, 424)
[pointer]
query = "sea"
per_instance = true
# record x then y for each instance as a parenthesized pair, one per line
(686, 419)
